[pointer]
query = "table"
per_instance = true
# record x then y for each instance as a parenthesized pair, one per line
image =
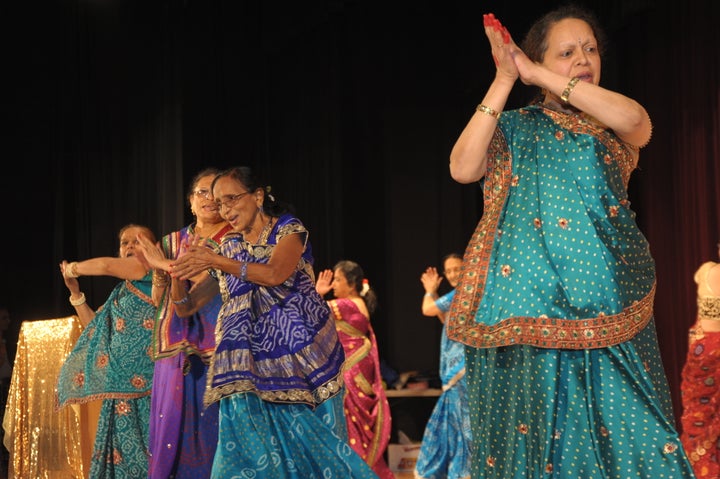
(410, 409)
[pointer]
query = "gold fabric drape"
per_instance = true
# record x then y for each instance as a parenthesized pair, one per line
(43, 442)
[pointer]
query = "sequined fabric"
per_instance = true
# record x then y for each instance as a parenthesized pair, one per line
(700, 393)
(708, 308)
(43, 443)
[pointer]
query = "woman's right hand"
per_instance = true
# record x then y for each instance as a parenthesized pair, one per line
(71, 283)
(431, 280)
(503, 48)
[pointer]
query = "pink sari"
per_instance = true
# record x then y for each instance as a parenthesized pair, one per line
(367, 409)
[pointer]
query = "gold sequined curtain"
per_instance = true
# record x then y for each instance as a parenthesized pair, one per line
(43, 442)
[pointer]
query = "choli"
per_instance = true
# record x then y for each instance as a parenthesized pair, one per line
(708, 306)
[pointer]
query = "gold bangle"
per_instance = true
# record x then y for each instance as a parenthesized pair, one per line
(488, 111)
(159, 278)
(568, 89)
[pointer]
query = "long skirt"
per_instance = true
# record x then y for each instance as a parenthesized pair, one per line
(701, 405)
(446, 443)
(183, 433)
(260, 439)
(121, 440)
(597, 413)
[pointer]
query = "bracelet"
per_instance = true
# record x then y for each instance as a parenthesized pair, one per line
(243, 271)
(79, 301)
(568, 89)
(71, 270)
(159, 278)
(182, 301)
(430, 295)
(488, 111)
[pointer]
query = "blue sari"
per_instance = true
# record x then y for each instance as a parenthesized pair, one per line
(555, 306)
(447, 440)
(276, 373)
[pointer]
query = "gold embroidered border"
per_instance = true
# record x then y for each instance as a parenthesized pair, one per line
(318, 396)
(136, 291)
(556, 333)
(101, 397)
(476, 259)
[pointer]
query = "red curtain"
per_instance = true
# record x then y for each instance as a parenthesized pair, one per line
(676, 188)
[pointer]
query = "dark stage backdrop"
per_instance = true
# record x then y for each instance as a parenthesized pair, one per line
(350, 108)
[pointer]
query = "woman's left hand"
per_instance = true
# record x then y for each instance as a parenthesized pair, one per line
(322, 286)
(152, 253)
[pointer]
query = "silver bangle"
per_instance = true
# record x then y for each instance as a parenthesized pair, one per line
(243, 271)
(182, 301)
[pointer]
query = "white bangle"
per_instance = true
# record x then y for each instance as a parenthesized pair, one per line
(430, 295)
(71, 270)
(79, 301)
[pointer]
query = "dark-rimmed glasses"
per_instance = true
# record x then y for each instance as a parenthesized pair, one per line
(230, 200)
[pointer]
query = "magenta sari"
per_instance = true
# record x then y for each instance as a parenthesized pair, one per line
(367, 409)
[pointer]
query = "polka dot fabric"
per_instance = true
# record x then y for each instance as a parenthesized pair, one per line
(548, 413)
(557, 259)
(555, 307)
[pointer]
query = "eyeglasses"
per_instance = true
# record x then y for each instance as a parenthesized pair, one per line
(230, 200)
(207, 194)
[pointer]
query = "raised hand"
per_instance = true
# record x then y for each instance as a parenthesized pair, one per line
(431, 280)
(70, 281)
(322, 286)
(502, 45)
(153, 253)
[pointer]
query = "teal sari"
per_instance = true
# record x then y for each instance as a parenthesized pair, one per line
(111, 362)
(555, 307)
